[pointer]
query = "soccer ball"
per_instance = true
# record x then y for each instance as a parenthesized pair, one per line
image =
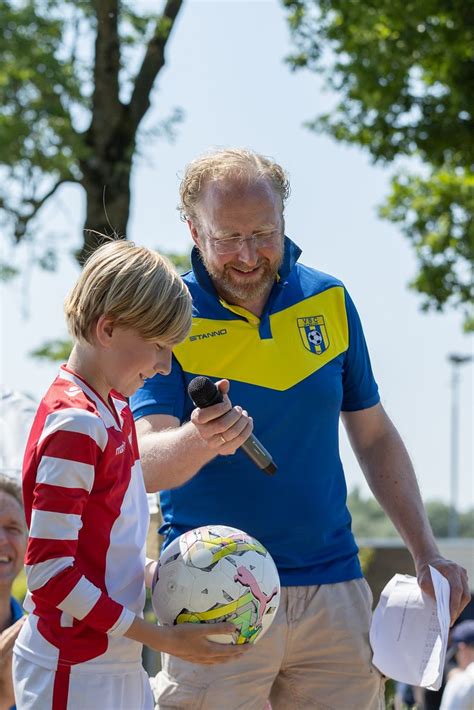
(315, 338)
(217, 573)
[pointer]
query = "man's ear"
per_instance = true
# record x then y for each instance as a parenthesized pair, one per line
(194, 232)
(104, 329)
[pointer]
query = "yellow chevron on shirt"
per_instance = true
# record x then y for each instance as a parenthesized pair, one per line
(237, 352)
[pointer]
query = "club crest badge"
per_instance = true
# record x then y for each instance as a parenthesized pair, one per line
(314, 334)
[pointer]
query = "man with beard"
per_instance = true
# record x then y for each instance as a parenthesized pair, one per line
(289, 340)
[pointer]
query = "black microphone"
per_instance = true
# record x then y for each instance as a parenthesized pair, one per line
(204, 393)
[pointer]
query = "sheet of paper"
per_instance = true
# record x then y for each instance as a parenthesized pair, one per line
(409, 631)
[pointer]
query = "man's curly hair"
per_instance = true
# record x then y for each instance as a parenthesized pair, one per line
(236, 163)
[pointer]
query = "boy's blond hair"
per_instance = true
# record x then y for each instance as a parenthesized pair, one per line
(136, 287)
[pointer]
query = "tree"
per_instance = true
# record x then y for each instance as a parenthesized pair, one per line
(75, 83)
(404, 75)
(369, 520)
(439, 515)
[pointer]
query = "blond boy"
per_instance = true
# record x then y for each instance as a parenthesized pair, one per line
(85, 499)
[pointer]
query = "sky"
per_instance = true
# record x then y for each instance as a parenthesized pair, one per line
(225, 69)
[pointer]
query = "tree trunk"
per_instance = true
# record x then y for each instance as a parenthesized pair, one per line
(110, 141)
(107, 186)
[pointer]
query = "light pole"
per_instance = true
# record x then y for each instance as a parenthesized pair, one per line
(456, 361)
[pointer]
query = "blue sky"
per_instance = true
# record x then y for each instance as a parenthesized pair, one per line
(225, 69)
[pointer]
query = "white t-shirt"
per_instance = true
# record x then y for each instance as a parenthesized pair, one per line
(459, 691)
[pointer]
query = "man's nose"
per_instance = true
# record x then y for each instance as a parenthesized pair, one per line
(248, 252)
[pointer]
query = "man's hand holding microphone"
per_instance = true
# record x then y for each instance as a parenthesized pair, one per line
(223, 427)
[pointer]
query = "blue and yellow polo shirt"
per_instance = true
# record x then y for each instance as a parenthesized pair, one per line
(293, 369)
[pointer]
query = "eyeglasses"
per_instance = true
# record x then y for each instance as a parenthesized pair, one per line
(232, 245)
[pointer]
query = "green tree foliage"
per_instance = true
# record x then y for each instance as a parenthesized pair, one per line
(438, 514)
(369, 520)
(181, 262)
(403, 72)
(53, 350)
(75, 83)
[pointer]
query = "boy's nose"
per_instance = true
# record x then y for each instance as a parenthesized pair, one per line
(163, 365)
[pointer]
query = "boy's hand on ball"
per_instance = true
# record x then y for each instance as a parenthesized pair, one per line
(190, 643)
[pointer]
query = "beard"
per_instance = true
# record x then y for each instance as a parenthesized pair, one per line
(239, 291)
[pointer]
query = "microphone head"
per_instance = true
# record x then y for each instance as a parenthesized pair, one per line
(204, 392)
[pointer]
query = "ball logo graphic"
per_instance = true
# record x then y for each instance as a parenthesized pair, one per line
(213, 574)
(315, 337)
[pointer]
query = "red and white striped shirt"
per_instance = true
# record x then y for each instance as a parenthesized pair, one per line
(87, 514)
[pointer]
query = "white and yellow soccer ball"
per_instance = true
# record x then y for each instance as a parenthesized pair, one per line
(217, 573)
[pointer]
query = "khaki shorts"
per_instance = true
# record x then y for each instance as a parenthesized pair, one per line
(315, 655)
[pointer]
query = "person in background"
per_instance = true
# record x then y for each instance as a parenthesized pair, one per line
(13, 537)
(407, 696)
(459, 691)
(288, 342)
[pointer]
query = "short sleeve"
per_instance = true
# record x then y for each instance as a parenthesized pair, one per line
(360, 389)
(161, 394)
